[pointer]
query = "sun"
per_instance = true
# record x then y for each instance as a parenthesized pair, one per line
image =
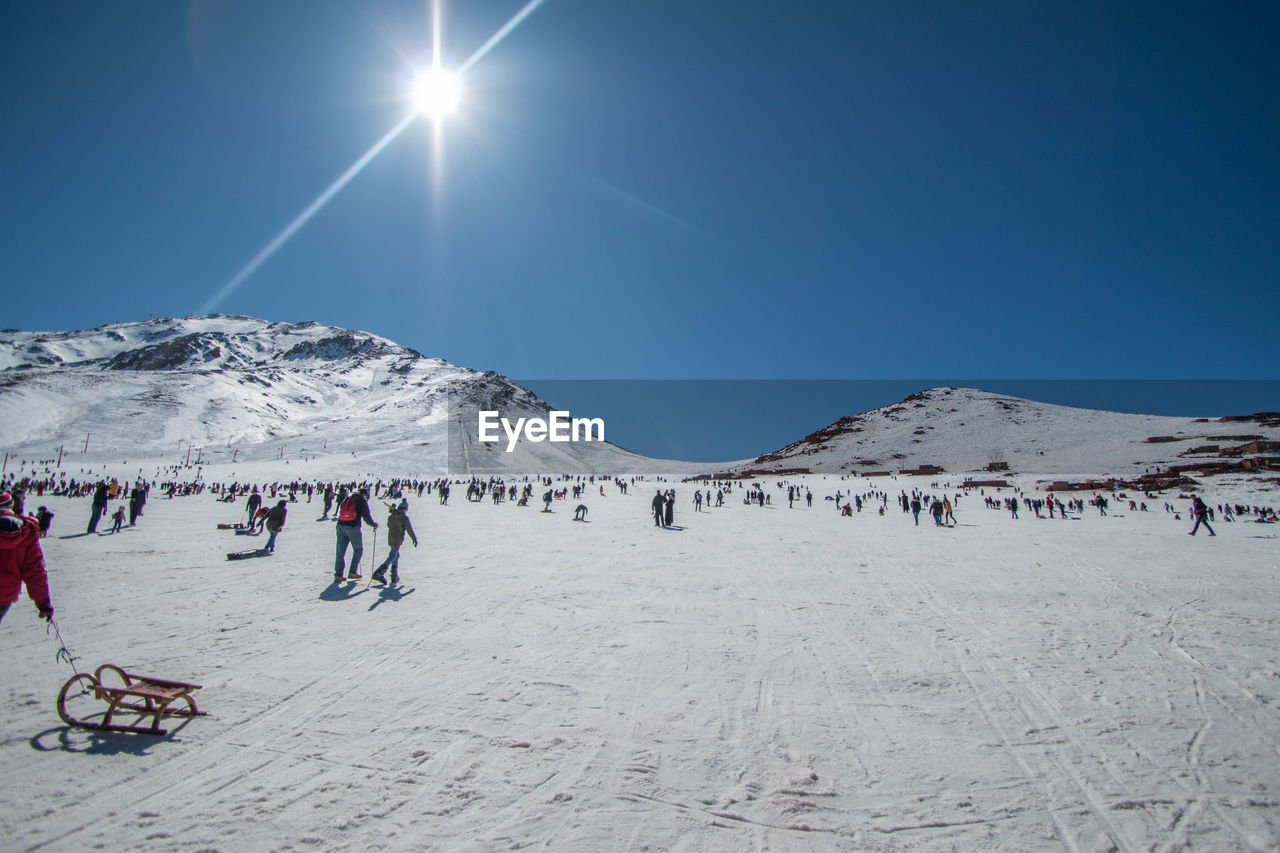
(436, 93)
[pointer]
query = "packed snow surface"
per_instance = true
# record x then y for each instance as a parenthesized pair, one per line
(755, 679)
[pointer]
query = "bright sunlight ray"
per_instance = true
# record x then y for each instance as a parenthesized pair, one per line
(301, 219)
(510, 25)
(310, 211)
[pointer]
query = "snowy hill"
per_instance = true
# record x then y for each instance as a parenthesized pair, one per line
(963, 430)
(234, 390)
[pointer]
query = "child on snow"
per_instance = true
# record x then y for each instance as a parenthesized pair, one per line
(397, 526)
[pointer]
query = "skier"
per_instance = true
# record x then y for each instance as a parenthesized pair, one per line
(328, 499)
(21, 560)
(350, 512)
(946, 508)
(1200, 511)
(659, 504)
(275, 522)
(117, 519)
(580, 514)
(397, 526)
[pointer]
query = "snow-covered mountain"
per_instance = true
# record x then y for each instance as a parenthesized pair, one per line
(965, 430)
(220, 389)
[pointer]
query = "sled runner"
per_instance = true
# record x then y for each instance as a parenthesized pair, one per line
(252, 552)
(140, 695)
(246, 531)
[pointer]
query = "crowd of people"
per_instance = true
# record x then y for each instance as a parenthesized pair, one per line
(347, 505)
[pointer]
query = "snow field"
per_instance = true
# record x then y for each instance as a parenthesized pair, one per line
(761, 679)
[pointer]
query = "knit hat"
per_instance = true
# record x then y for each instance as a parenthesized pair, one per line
(6, 501)
(404, 503)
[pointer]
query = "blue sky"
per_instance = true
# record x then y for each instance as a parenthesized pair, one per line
(715, 189)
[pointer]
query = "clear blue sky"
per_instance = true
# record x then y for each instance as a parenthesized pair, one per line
(667, 189)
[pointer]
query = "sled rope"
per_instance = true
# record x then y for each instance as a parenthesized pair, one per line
(63, 652)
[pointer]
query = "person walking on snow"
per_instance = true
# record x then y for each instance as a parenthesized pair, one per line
(350, 512)
(1201, 512)
(21, 560)
(275, 522)
(658, 504)
(255, 501)
(398, 525)
(99, 506)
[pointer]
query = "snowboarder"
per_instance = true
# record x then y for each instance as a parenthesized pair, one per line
(350, 513)
(398, 525)
(21, 560)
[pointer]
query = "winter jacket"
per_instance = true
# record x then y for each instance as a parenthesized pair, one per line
(21, 560)
(397, 526)
(362, 512)
(276, 516)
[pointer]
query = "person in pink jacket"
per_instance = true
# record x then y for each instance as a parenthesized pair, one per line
(21, 560)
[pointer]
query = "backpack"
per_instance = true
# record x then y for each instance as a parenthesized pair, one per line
(347, 512)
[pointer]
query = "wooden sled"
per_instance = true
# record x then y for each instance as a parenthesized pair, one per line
(135, 694)
(237, 526)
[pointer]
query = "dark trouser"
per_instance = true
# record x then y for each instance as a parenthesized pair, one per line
(1200, 519)
(4, 608)
(93, 519)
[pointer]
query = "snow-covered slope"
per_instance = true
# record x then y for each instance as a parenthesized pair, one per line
(964, 429)
(235, 390)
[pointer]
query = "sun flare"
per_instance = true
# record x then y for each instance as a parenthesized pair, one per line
(436, 93)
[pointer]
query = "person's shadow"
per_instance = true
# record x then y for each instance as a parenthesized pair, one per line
(342, 592)
(391, 593)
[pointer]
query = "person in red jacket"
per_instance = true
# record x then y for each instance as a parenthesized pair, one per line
(21, 560)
